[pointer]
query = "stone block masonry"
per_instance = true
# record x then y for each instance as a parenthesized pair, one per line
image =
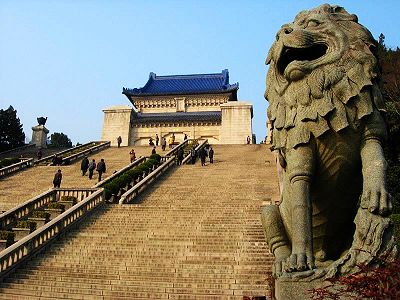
(236, 122)
(117, 123)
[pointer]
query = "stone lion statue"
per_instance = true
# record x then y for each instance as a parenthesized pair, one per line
(328, 127)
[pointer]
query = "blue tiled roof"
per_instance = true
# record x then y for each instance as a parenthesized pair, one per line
(184, 84)
(205, 116)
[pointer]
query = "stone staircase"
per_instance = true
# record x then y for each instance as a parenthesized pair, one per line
(195, 234)
(31, 182)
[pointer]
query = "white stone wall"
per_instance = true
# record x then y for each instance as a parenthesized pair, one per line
(140, 134)
(192, 103)
(234, 128)
(236, 122)
(117, 123)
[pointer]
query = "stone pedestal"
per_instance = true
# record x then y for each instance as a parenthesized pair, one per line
(236, 122)
(39, 136)
(289, 289)
(117, 122)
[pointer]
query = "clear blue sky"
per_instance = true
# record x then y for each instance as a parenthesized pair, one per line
(68, 60)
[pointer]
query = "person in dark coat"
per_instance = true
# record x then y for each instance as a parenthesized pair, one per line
(193, 156)
(119, 141)
(92, 167)
(211, 155)
(56, 161)
(154, 150)
(101, 168)
(203, 155)
(39, 154)
(57, 179)
(132, 154)
(157, 139)
(84, 165)
(179, 156)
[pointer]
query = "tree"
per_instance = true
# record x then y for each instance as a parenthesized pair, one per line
(11, 132)
(390, 68)
(389, 60)
(60, 140)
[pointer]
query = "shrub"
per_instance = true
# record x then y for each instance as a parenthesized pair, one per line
(55, 205)
(133, 173)
(119, 183)
(395, 218)
(26, 224)
(156, 157)
(110, 188)
(149, 164)
(127, 177)
(142, 168)
(393, 175)
(369, 283)
(152, 162)
(40, 214)
(69, 198)
(124, 180)
(8, 162)
(107, 194)
(7, 235)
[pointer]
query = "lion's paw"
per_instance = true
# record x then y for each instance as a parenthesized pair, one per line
(299, 262)
(377, 200)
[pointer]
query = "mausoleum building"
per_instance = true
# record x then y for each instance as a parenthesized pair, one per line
(202, 106)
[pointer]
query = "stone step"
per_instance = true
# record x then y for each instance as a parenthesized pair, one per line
(196, 234)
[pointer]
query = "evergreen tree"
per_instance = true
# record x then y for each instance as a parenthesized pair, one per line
(390, 67)
(60, 140)
(11, 132)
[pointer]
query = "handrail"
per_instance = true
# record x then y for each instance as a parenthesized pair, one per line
(14, 214)
(128, 167)
(134, 191)
(17, 253)
(199, 146)
(26, 146)
(73, 157)
(49, 157)
(25, 163)
(174, 150)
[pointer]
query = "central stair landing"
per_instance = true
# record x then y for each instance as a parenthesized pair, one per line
(195, 234)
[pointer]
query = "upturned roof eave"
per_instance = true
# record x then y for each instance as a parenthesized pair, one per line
(232, 88)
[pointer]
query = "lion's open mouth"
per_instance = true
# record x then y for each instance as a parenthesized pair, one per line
(300, 54)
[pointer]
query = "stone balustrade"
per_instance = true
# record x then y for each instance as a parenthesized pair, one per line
(197, 149)
(24, 163)
(67, 160)
(17, 253)
(120, 172)
(130, 195)
(24, 209)
(100, 146)
(18, 149)
(173, 151)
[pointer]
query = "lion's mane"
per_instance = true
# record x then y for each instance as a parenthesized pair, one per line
(334, 95)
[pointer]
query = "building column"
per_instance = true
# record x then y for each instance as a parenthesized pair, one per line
(117, 122)
(236, 122)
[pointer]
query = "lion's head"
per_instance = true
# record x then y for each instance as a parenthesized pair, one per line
(318, 64)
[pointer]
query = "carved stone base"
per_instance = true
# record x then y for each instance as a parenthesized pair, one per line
(373, 239)
(289, 289)
(39, 136)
